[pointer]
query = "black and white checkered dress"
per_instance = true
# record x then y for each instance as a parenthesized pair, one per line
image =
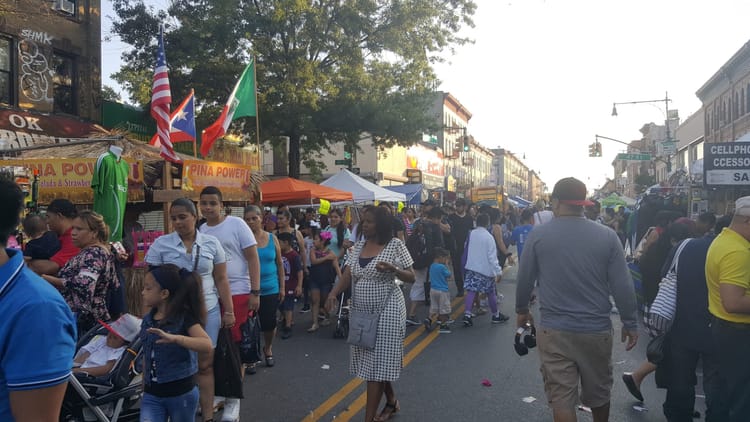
(371, 288)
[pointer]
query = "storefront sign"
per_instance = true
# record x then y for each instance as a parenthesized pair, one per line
(71, 178)
(20, 129)
(229, 178)
(726, 163)
(425, 159)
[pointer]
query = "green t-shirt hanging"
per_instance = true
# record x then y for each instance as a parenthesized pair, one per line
(110, 184)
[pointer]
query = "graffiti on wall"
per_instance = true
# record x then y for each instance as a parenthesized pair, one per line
(35, 76)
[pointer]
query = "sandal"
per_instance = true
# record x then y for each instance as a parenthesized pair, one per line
(388, 411)
(313, 329)
(269, 359)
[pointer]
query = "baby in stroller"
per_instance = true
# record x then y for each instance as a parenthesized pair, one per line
(98, 356)
(104, 385)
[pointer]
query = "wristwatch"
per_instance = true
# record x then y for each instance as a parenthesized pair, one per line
(255, 292)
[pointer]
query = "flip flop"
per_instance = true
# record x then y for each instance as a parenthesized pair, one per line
(627, 378)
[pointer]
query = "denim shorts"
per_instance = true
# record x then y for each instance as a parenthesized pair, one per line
(213, 324)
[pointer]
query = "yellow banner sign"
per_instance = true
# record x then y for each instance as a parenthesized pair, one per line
(70, 178)
(229, 178)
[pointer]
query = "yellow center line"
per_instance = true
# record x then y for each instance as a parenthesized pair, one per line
(340, 395)
(360, 402)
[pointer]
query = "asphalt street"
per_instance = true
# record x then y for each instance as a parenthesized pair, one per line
(442, 379)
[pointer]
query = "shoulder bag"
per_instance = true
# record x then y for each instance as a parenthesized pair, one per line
(363, 326)
(662, 310)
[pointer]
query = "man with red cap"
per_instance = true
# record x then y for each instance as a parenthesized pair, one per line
(579, 264)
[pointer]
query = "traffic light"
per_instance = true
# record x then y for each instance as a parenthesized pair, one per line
(466, 143)
(595, 149)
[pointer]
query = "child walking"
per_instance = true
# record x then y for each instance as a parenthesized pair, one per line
(173, 335)
(323, 272)
(293, 274)
(440, 299)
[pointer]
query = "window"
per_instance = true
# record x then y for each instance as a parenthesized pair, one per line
(62, 83)
(6, 70)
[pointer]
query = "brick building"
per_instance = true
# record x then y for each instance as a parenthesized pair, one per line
(50, 57)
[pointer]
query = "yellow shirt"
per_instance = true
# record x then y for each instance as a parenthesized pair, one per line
(727, 262)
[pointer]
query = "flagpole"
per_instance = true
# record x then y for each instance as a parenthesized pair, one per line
(257, 123)
(195, 139)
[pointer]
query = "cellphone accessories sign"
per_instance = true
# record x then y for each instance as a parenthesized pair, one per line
(726, 164)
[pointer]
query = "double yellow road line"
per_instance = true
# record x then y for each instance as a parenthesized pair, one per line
(359, 403)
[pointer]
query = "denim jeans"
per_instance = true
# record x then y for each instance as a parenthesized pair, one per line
(178, 408)
(680, 364)
(733, 348)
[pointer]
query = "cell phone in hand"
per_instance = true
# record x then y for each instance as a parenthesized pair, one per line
(117, 246)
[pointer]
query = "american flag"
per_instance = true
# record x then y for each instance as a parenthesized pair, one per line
(161, 98)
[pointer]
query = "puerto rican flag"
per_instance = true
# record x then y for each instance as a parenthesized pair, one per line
(182, 122)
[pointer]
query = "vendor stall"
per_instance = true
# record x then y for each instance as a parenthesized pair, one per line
(362, 190)
(298, 192)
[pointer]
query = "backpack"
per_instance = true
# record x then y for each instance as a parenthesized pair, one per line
(419, 244)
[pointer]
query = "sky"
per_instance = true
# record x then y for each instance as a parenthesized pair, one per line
(541, 76)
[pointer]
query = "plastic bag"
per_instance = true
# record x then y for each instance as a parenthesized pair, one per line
(250, 342)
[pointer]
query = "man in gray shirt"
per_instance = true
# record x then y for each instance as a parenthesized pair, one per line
(579, 264)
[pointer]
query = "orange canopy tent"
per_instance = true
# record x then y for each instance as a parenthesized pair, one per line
(292, 191)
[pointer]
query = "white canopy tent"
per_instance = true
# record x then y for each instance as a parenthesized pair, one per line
(361, 189)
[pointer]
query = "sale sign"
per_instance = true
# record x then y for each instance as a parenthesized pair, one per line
(70, 178)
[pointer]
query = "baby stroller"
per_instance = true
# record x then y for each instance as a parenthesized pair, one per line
(109, 398)
(342, 316)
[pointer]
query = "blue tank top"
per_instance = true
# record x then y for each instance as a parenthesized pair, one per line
(269, 276)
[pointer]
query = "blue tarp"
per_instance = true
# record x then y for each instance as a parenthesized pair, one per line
(523, 203)
(413, 192)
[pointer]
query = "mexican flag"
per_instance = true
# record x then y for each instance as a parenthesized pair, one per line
(241, 103)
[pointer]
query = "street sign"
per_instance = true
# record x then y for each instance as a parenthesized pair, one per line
(344, 162)
(634, 157)
(669, 148)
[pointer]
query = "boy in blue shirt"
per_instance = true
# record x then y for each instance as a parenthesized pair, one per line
(440, 299)
(521, 233)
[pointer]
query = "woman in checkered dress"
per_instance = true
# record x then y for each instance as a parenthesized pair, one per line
(373, 267)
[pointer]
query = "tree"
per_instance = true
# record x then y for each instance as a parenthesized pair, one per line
(326, 71)
(109, 94)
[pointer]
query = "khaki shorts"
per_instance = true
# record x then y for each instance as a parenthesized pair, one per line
(569, 357)
(440, 302)
(416, 293)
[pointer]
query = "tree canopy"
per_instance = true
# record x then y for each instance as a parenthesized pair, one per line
(327, 70)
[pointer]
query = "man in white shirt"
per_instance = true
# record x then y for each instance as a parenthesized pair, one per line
(482, 270)
(542, 215)
(243, 268)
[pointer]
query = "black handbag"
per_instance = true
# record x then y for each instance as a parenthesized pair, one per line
(227, 367)
(250, 342)
(655, 350)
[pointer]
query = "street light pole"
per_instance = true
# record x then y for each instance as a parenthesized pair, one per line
(666, 100)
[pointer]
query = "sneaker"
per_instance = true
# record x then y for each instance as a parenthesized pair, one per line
(219, 403)
(480, 311)
(468, 321)
(412, 320)
(427, 324)
(450, 321)
(305, 309)
(500, 318)
(445, 329)
(325, 322)
(250, 369)
(231, 411)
